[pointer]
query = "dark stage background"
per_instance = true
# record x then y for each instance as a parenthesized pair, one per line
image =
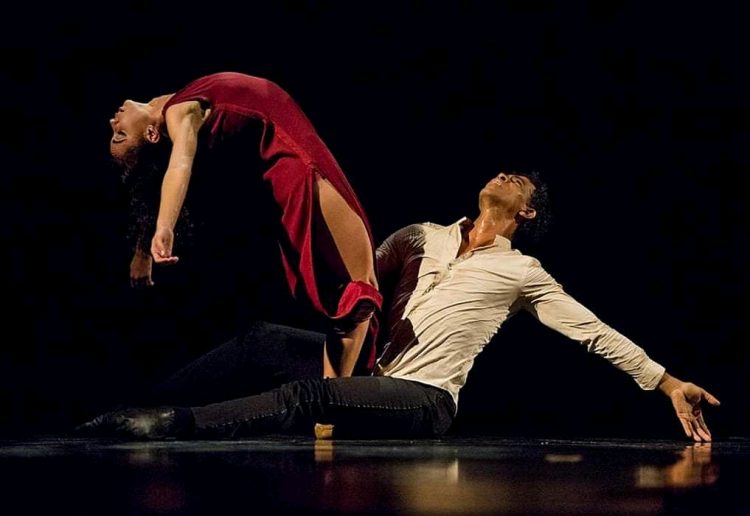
(636, 114)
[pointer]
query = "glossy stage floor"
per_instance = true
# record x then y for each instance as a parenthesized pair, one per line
(306, 476)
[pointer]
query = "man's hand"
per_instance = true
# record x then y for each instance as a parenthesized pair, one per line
(140, 270)
(686, 399)
(161, 246)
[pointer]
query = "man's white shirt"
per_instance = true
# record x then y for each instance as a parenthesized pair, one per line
(445, 308)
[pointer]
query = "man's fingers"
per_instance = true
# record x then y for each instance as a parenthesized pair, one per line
(690, 414)
(703, 428)
(686, 427)
(699, 434)
(683, 410)
(713, 400)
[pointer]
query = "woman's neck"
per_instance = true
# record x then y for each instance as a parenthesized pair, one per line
(157, 104)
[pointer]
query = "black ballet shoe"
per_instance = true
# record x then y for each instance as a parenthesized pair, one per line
(141, 423)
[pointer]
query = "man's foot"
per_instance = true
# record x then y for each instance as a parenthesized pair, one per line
(140, 423)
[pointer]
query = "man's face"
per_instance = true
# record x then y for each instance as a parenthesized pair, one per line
(511, 191)
(128, 127)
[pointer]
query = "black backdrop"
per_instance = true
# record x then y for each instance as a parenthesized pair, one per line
(636, 114)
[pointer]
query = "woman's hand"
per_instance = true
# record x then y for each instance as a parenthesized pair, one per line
(161, 246)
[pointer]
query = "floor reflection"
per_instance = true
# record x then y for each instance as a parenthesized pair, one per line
(693, 468)
(449, 476)
(508, 479)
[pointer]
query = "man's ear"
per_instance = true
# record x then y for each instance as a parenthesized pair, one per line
(152, 135)
(526, 213)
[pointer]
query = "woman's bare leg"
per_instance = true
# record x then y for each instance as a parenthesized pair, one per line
(348, 232)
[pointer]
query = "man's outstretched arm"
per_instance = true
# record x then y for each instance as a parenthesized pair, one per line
(686, 399)
(558, 310)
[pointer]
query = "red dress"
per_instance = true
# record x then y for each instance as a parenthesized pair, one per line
(294, 154)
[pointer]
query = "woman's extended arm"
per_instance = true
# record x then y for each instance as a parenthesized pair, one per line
(183, 123)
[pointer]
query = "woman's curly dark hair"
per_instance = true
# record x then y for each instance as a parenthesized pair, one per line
(141, 170)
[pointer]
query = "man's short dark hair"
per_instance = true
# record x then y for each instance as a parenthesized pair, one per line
(534, 229)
